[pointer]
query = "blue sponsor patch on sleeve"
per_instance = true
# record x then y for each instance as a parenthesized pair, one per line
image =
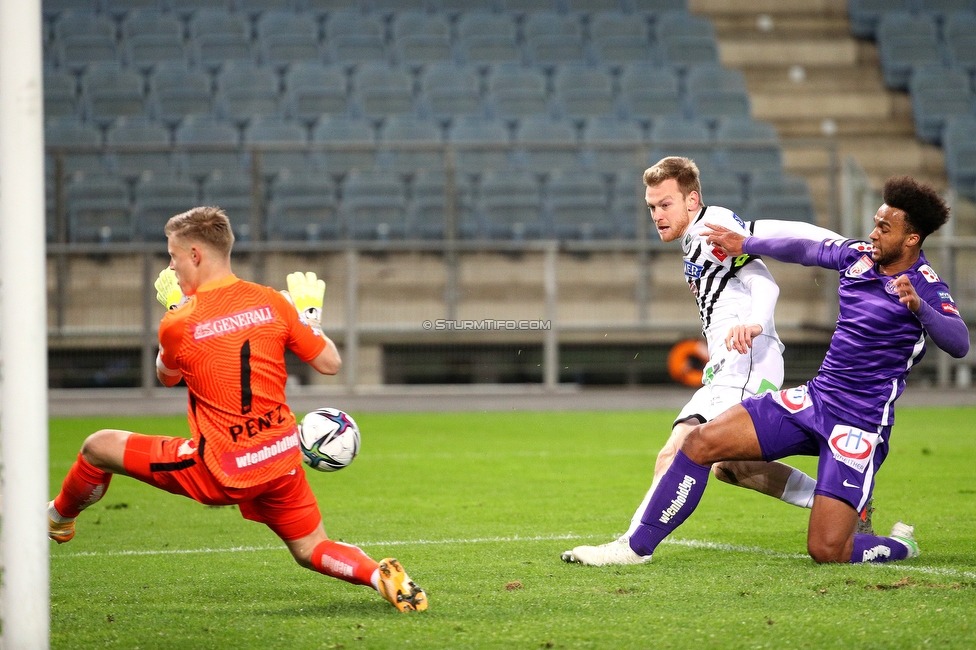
(692, 271)
(945, 295)
(738, 220)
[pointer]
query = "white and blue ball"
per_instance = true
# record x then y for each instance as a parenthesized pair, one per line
(329, 438)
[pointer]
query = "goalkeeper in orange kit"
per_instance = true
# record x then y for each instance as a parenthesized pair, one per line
(226, 338)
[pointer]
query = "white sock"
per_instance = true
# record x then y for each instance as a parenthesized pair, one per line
(375, 579)
(799, 489)
(56, 516)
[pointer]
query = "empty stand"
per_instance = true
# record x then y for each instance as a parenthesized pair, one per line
(280, 142)
(302, 207)
(313, 89)
(374, 206)
(157, 198)
(138, 145)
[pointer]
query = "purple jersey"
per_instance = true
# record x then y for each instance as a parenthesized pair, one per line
(877, 339)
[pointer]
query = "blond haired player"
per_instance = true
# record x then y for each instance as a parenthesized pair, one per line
(227, 338)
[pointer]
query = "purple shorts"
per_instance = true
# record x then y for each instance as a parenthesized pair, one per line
(794, 422)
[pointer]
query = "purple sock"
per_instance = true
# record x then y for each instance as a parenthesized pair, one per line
(868, 548)
(676, 497)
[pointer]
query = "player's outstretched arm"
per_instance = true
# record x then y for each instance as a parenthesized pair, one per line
(776, 229)
(763, 293)
(307, 293)
(947, 330)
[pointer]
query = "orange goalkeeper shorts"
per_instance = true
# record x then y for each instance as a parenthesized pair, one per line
(285, 504)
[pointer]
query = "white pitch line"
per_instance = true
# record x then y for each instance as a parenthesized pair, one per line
(688, 543)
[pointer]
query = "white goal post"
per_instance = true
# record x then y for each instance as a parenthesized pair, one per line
(24, 593)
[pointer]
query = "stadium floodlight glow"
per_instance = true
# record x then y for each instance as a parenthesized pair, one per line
(24, 593)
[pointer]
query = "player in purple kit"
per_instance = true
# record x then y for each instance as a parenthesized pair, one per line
(890, 298)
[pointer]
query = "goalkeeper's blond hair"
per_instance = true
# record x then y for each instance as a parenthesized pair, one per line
(205, 224)
(683, 170)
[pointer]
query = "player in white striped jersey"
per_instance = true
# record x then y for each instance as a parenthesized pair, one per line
(736, 299)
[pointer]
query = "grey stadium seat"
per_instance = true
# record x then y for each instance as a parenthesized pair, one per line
(959, 29)
(176, 91)
(302, 207)
(218, 36)
(748, 146)
(312, 89)
(515, 92)
(207, 144)
(286, 36)
(552, 38)
(866, 14)
(449, 90)
(353, 144)
(352, 38)
(610, 146)
(404, 131)
(98, 209)
(231, 191)
(157, 198)
(617, 38)
(427, 211)
(938, 93)
(245, 90)
(84, 37)
(714, 91)
(382, 90)
(479, 144)
(578, 205)
(511, 205)
(420, 38)
(282, 143)
(582, 91)
(906, 41)
(149, 37)
(959, 136)
(723, 188)
(110, 91)
(72, 132)
(373, 206)
(486, 38)
(676, 136)
(649, 91)
(127, 136)
(60, 94)
(545, 144)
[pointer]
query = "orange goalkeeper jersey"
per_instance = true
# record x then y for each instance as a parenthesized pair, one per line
(229, 342)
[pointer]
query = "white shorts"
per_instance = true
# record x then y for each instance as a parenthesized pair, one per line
(734, 377)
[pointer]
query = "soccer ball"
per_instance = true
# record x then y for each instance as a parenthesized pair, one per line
(329, 438)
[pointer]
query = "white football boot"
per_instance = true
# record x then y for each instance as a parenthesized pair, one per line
(612, 553)
(905, 534)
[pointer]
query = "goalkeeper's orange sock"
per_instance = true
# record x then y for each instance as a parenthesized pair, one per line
(84, 485)
(346, 562)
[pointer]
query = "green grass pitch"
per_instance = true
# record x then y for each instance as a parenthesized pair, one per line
(478, 506)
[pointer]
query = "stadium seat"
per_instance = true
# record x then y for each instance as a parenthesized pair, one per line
(748, 147)
(157, 198)
(627, 204)
(676, 136)
(521, 7)
(218, 36)
(780, 196)
(582, 91)
(53, 8)
(313, 89)
(352, 141)
(866, 14)
(940, 9)
(648, 91)
(577, 204)
(396, 7)
(617, 38)
(515, 92)
(286, 36)
(486, 38)
(150, 37)
(72, 132)
(592, 6)
(724, 189)
(479, 144)
(420, 38)
(684, 40)
(714, 91)
(98, 209)
(402, 132)
(322, 7)
(610, 146)
(245, 90)
(352, 38)
(658, 6)
(959, 138)
(373, 206)
(959, 29)
(552, 38)
(83, 37)
(938, 93)
(258, 7)
(448, 90)
(60, 94)
(139, 145)
(282, 143)
(110, 91)
(120, 8)
(175, 91)
(206, 144)
(232, 191)
(511, 205)
(187, 8)
(545, 144)
(906, 41)
(302, 207)
(427, 211)
(382, 90)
